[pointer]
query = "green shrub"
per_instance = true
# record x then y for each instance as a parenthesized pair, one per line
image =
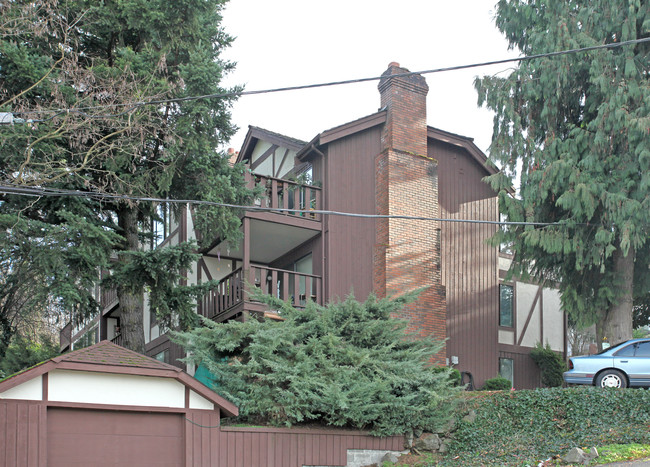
(452, 373)
(524, 427)
(497, 384)
(551, 365)
(348, 364)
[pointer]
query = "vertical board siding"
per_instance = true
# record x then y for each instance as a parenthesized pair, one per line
(22, 440)
(350, 243)
(276, 447)
(526, 372)
(469, 264)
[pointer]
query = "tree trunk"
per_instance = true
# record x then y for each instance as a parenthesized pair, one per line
(617, 326)
(131, 301)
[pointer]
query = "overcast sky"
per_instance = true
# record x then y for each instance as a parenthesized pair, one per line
(295, 42)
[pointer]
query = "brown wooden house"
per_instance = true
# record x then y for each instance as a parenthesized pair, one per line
(298, 245)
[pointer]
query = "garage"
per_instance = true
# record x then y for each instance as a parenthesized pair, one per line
(105, 405)
(78, 437)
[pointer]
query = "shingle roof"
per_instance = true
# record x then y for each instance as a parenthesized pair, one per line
(107, 353)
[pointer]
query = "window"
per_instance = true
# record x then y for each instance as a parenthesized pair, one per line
(506, 369)
(506, 306)
(162, 356)
(161, 224)
(643, 349)
(627, 351)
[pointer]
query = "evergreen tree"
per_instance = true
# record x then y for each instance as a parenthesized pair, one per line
(101, 59)
(348, 364)
(574, 128)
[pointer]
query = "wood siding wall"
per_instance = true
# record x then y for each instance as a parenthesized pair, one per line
(350, 242)
(469, 265)
(273, 447)
(526, 372)
(23, 440)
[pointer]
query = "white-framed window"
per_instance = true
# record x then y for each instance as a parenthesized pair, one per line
(507, 369)
(506, 306)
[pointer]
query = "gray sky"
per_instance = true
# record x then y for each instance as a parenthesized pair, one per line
(294, 42)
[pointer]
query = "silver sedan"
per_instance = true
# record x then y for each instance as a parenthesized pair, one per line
(622, 365)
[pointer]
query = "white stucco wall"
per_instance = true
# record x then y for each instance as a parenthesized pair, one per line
(31, 390)
(525, 295)
(553, 320)
(116, 389)
(218, 268)
(199, 402)
(506, 337)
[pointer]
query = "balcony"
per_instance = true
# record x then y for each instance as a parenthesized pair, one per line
(229, 297)
(286, 195)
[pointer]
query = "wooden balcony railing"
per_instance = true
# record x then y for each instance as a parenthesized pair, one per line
(288, 285)
(118, 340)
(285, 285)
(227, 295)
(287, 194)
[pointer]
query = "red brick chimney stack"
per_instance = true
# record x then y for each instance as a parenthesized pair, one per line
(407, 253)
(405, 98)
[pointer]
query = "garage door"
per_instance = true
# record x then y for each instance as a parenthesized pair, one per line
(78, 437)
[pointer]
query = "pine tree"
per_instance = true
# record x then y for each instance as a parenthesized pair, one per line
(101, 59)
(347, 364)
(575, 130)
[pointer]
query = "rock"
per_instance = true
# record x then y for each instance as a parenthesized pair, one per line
(427, 442)
(575, 456)
(444, 446)
(417, 433)
(593, 453)
(449, 427)
(470, 417)
(389, 457)
(408, 440)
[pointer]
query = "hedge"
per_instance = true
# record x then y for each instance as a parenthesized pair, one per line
(525, 427)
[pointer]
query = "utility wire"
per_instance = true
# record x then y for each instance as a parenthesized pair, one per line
(39, 192)
(132, 106)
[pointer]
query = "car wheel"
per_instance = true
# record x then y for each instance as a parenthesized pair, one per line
(611, 379)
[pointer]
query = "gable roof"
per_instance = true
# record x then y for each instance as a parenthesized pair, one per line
(108, 354)
(464, 142)
(106, 357)
(256, 134)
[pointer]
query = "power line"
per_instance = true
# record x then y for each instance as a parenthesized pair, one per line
(133, 106)
(40, 192)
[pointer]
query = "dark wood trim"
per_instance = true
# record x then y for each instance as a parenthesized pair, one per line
(167, 239)
(541, 315)
(264, 156)
(518, 349)
(44, 382)
(173, 372)
(187, 397)
(353, 127)
(284, 158)
(220, 257)
(202, 267)
(279, 218)
(119, 407)
(297, 430)
(530, 315)
(465, 143)
(27, 375)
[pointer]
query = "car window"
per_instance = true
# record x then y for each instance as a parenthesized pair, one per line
(643, 349)
(627, 351)
(611, 347)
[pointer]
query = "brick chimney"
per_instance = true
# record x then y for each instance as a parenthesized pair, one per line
(407, 255)
(405, 99)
